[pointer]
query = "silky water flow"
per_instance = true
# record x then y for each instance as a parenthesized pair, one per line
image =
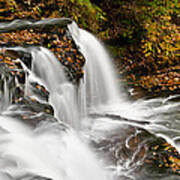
(27, 152)
(50, 151)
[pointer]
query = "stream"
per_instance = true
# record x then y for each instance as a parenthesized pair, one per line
(97, 133)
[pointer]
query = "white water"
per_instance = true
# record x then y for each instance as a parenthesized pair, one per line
(52, 154)
(63, 155)
(5, 96)
(100, 78)
(62, 93)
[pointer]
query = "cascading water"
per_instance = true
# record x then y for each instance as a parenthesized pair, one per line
(100, 90)
(54, 154)
(100, 80)
(56, 150)
(62, 93)
(48, 151)
(5, 96)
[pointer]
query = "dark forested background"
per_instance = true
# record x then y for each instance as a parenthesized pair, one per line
(143, 36)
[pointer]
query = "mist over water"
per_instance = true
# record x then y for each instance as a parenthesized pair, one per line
(53, 154)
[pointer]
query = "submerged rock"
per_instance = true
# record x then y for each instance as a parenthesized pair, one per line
(15, 101)
(135, 152)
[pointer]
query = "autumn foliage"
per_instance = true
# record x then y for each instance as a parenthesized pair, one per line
(144, 36)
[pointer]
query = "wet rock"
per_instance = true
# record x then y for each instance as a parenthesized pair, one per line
(29, 104)
(41, 25)
(164, 157)
(14, 98)
(26, 58)
(136, 152)
(40, 91)
(29, 176)
(14, 54)
(27, 114)
(58, 40)
(34, 178)
(117, 117)
(8, 85)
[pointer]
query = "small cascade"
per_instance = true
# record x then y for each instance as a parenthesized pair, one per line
(100, 79)
(5, 99)
(5, 94)
(48, 69)
(62, 92)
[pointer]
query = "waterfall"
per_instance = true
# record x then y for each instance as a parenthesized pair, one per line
(59, 149)
(100, 78)
(47, 151)
(5, 96)
(62, 93)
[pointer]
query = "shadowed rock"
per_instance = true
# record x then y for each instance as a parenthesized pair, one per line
(24, 24)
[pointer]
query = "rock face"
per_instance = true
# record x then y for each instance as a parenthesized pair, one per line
(15, 100)
(22, 26)
(25, 24)
(49, 34)
(52, 34)
(136, 151)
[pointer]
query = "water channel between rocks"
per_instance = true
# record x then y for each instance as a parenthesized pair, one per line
(94, 131)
